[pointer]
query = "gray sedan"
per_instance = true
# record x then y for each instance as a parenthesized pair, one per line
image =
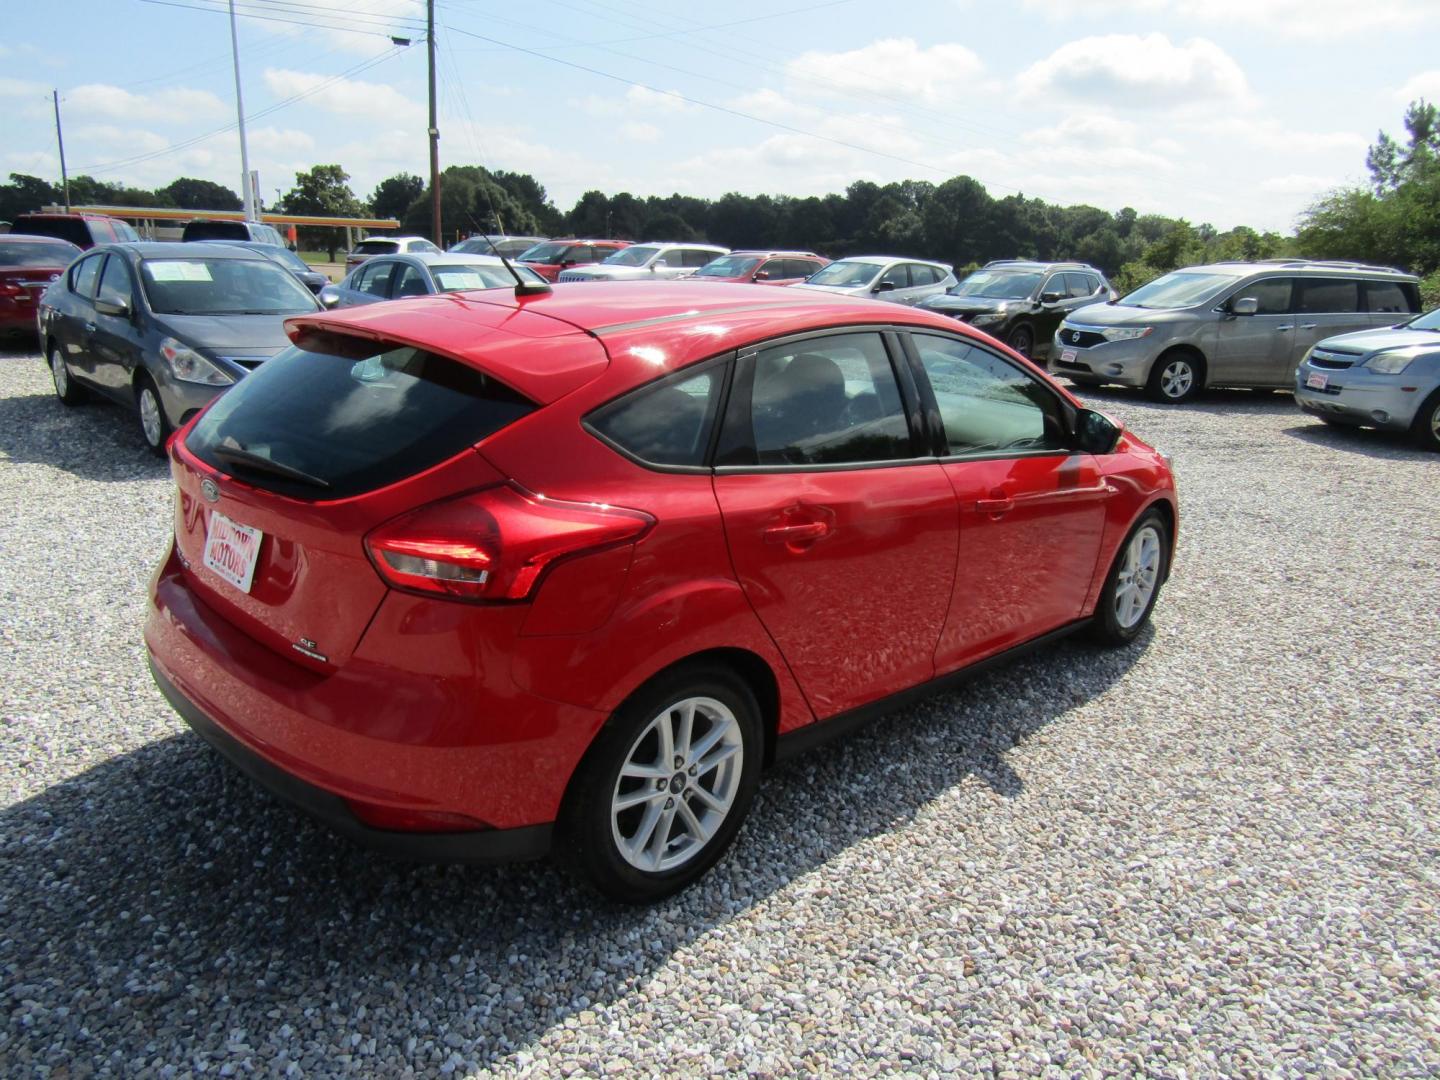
(163, 328)
(393, 277)
(1388, 379)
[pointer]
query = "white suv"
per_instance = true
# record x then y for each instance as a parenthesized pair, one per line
(647, 262)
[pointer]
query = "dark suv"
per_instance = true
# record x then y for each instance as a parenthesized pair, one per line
(1022, 303)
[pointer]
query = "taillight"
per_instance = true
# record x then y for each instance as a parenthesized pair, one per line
(9, 288)
(494, 544)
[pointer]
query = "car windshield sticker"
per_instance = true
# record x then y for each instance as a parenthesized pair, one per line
(178, 271)
(460, 279)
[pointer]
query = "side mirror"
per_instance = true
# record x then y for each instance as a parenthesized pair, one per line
(566, 263)
(884, 286)
(1096, 432)
(1247, 305)
(118, 308)
(659, 264)
(1051, 297)
(329, 296)
(762, 275)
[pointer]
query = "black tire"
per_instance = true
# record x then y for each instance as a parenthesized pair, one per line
(590, 826)
(155, 434)
(66, 389)
(1022, 340)
(1426, 427)
(1176, 377)
(1106, 627)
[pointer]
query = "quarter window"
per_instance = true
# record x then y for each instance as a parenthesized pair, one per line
(667, 423)
(823, 401)
(1321, 296)
(986, 404)
(1385, 296)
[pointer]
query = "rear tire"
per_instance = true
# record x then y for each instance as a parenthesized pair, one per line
(1426, 427)
(154, 428)
(664, 789)
(66, 389)
(1134, 582)
(1176, 377)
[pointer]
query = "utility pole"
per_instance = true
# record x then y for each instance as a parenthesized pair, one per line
(247, 195)
(59, 138)
(434, 130)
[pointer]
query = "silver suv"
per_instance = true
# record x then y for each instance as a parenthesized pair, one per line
(1227, 324)
(647, 262)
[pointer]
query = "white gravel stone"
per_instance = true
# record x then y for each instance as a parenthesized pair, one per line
(1211, 853)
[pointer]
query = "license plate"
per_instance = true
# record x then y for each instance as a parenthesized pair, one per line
(231, 550)
(1316, 381)
(1067, 355)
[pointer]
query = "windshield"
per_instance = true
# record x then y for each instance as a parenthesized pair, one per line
(729, 266)
(845, 273)
(476, 245)
(548, 253)
(1178, 290)
(223, 287)
(376, 247)
(286, 258)
(57, 253)
(997, 285)
(1429, 321)
(632, 256)
(483, 276)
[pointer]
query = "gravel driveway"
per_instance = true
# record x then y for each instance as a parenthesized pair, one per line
(1214, 852)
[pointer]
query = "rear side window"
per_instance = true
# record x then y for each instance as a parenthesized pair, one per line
(1321, 296)
(665, 423)
(322, 426)
(1386, 296)
(215, 230)
(820, 401)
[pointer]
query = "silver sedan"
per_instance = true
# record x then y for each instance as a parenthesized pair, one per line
(394, 277)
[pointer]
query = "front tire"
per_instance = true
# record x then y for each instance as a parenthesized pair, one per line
(154, 427)
(1134, 582)
(1175, 377)
(1426, 427)
(664, 790)
(1022, 340)
(66, 389)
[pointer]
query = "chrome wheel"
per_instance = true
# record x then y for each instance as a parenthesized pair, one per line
(677, 785)
(60, 373)
(1137, 577)
(1177, 378)
(1435, 423)
(152, 421)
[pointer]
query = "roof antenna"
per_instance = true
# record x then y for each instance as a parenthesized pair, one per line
(522, 287)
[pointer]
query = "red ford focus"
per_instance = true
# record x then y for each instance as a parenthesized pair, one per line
(476, 576)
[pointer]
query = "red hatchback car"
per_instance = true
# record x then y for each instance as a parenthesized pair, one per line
(473, 576)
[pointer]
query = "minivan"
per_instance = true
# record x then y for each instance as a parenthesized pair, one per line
(1227, 324)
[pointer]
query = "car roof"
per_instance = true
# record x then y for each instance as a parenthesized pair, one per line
(647, 327)
(31, 238)
(391, 239)
(430, 258)
(166, 249)
(773, 254)
(1319, 267)
(683, 243)
(1036, 264)
(886, 260)
(62, 214)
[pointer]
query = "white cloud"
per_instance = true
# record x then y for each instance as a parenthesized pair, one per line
(271, 140)
(130, 140)
(1299, 184)
(640, 132)
(1425, 85)
(1302, 19)
(345, 97)
(171, 105)
(891, 67)
(1136, 71)
(641, 98)
(22, 88)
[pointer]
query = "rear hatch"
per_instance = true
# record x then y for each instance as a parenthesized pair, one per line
(280, 481)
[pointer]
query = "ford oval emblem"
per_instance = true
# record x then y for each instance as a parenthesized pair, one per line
(209, 490)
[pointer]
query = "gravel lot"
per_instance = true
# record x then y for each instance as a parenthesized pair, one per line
(1214, 852)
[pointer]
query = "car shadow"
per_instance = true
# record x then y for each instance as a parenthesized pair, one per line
(1371, 442)
(1215, 400)
(183, 891)
(96, 440)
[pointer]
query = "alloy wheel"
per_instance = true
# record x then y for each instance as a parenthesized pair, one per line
(1138, 575)
(677, 785)
(151, 421)
(60, 373)
(1177, 378)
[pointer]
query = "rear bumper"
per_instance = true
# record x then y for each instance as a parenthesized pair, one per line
(484, 846)
(423, 718)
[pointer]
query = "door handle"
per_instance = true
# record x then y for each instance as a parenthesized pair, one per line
(1282, 329)
(1309, 325)
(994, 506)
(90, 328)
(796, 534)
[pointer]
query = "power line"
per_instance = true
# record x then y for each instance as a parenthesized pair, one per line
(313, 24)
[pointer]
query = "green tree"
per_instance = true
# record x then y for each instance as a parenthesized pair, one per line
(324, 191)
(191, 194)
(393, 195)
(26, 193)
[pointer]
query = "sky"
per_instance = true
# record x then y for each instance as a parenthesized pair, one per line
(1232, 112)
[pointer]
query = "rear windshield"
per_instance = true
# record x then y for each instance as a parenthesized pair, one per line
(376, 247)
(216, 230)
(62, 228)
(320, 426)
(36, 253)
(202, 286)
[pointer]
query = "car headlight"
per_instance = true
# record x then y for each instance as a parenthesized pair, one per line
(984, 318)
(1389, 363)
(187, 365)
(1125, 333)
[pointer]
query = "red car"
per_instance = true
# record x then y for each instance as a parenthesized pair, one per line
(552, 256)
(28, 264)
(762, 267)
(474, 576)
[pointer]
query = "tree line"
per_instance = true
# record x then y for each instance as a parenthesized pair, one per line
(1394, 221)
